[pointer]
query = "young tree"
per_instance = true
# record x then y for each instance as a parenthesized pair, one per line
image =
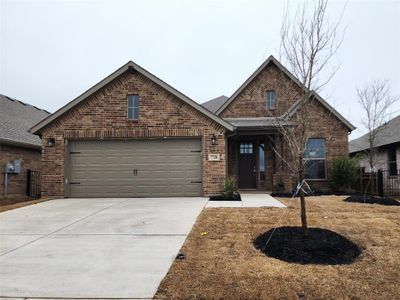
(376, 101)
(308, 43)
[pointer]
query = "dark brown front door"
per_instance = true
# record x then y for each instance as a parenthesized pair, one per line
(247, 166)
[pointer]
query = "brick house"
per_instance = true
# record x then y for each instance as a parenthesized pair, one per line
(17, 144)
(134, 135)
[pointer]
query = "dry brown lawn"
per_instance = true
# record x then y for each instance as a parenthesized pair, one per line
(224, 264)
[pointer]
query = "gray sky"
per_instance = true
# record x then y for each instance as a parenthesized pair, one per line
(52, 51)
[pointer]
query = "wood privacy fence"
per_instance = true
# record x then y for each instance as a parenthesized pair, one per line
(33, 184)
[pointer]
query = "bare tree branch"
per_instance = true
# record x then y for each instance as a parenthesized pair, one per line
(309, 41)
(375, 101)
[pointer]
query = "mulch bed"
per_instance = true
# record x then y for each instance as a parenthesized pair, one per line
(312, 194)
(372, 200)
(320, 246)
(224, 198)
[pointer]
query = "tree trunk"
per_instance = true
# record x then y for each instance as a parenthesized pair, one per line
(302, 198)
(303, 213)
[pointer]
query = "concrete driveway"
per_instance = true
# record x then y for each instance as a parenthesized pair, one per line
(92, 248)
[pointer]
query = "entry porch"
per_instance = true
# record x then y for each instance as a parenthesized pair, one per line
(254, 163)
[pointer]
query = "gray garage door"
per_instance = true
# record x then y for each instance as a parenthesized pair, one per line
(135, 168)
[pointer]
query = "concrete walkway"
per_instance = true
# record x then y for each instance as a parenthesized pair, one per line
(92, 248)
(249, 200)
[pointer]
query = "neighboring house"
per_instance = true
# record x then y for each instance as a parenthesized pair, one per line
(133, 135)
(18, 144)
(387, 148)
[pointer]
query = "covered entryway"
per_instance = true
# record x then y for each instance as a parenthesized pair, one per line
(134, 168)
(252, 161)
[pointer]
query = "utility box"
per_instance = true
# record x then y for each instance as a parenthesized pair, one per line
(13, 167)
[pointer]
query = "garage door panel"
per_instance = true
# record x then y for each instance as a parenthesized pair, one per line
(163, 168)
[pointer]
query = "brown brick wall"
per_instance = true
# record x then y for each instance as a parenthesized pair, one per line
(104, 116)
(323, 124)
(251, 103)
(16, 189)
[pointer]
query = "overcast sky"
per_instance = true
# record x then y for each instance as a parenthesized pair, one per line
(52, 51)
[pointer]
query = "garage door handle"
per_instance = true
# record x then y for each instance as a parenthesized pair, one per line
(74, 183)
(196, 181)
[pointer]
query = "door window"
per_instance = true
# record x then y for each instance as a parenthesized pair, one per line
(246, 148)
(261, 161)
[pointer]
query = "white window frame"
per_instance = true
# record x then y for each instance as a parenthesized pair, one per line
(133, 108)
(268, 97)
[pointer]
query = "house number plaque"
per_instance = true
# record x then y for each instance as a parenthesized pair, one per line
(213, 157)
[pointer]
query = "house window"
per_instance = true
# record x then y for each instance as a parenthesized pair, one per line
(392, 159)
(314, 157)
(261, 161)
(246, 148)
(133, 107)
(270, 99)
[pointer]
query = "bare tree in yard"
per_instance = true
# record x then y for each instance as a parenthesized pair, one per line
(376, 101)
(308, 43)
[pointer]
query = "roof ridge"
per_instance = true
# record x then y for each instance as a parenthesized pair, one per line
(24, 103)
(379, 127)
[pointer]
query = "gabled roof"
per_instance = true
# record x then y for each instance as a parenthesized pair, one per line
(213, 104)
(388, 133)
(129, 66)
(16, 118)
(273, 60)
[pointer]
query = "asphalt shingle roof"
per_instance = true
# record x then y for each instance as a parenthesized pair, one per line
(16, 118)
(214, 104)
(257, 122)
(389, 133)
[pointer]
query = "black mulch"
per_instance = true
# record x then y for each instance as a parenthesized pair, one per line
(359, 198)
(321, 246)
(224, 198)
(314, 193)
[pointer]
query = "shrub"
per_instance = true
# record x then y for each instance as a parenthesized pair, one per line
(230, 190)
(280, 186)
(344, 172)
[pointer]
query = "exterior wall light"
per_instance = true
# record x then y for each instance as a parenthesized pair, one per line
(213, 139)
(51, 142)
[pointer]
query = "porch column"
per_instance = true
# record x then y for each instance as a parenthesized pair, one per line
(278, 160)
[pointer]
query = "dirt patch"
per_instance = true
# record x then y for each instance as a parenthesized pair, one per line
(224, 264)
(372, 200)
(320, 246)
(20, 204)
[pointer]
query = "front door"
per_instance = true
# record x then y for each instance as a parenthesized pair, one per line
(247, 166)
